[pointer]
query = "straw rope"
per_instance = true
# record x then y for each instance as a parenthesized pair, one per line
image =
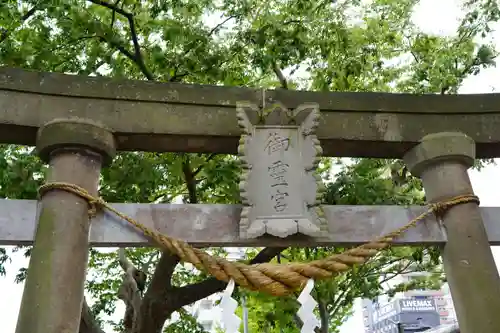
(275, 279)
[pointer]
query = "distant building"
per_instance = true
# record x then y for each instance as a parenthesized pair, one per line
(415, 315)
(416, 310)
(450, 328)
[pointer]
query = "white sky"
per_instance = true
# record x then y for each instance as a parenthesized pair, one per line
(432, 16)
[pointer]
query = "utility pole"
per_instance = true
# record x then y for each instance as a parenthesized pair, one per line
(245, 313)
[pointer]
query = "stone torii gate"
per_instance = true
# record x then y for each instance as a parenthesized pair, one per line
(77, 124)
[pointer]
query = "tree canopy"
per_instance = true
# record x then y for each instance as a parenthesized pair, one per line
(343, 45)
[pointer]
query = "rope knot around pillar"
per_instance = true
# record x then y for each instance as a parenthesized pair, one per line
(94, 206)
(274, 279)
(95, 203)
(440, 208)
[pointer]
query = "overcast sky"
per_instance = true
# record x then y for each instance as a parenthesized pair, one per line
(432, 16)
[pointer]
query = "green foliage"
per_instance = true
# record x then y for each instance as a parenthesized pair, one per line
(480, 16)
(186, 323)
(21, 172)
(4, 258)
(342, 46)
(370, 182)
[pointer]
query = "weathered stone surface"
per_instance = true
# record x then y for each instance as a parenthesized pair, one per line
(441, 147)
(218, 225)
(194, 118)
(279, 186)
(53, 291)
(75, 133)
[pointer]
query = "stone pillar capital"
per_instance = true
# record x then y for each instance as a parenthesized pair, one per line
(441, 148)
(75, 134)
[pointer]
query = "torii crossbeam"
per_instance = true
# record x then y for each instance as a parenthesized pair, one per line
(217, 225)
(161, 117)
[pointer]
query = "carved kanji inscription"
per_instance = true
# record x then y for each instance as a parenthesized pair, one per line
(280, 188)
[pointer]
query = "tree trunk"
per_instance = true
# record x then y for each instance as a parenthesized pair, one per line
(162, 299)
(87, 321)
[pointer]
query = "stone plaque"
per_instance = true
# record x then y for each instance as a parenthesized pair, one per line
(279, 186)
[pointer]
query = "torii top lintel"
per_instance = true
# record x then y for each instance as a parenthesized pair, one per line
(152, 116)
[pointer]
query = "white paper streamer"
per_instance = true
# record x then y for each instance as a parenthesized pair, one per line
(230, 321)
(306, 311)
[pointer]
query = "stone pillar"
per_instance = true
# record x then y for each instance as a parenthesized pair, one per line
(441, 160)
(53, 292)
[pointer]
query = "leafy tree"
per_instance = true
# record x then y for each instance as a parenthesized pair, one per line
(341, 46)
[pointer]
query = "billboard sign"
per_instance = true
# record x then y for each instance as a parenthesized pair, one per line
(417, 305)
(384, 312)
(418, 321)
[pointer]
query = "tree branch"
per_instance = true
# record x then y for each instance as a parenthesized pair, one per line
(113, 14)
(218, 26)
(87, 321)
(300, 323)
(153, 312)
(394, 274)
(209, 158)
(461, 75)
(178, 77)
(162, 277)
(130, 291)
(337, 301)
(376, 269)
(137, 55)
(6, 32)
(281, 77)
(189, 177)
